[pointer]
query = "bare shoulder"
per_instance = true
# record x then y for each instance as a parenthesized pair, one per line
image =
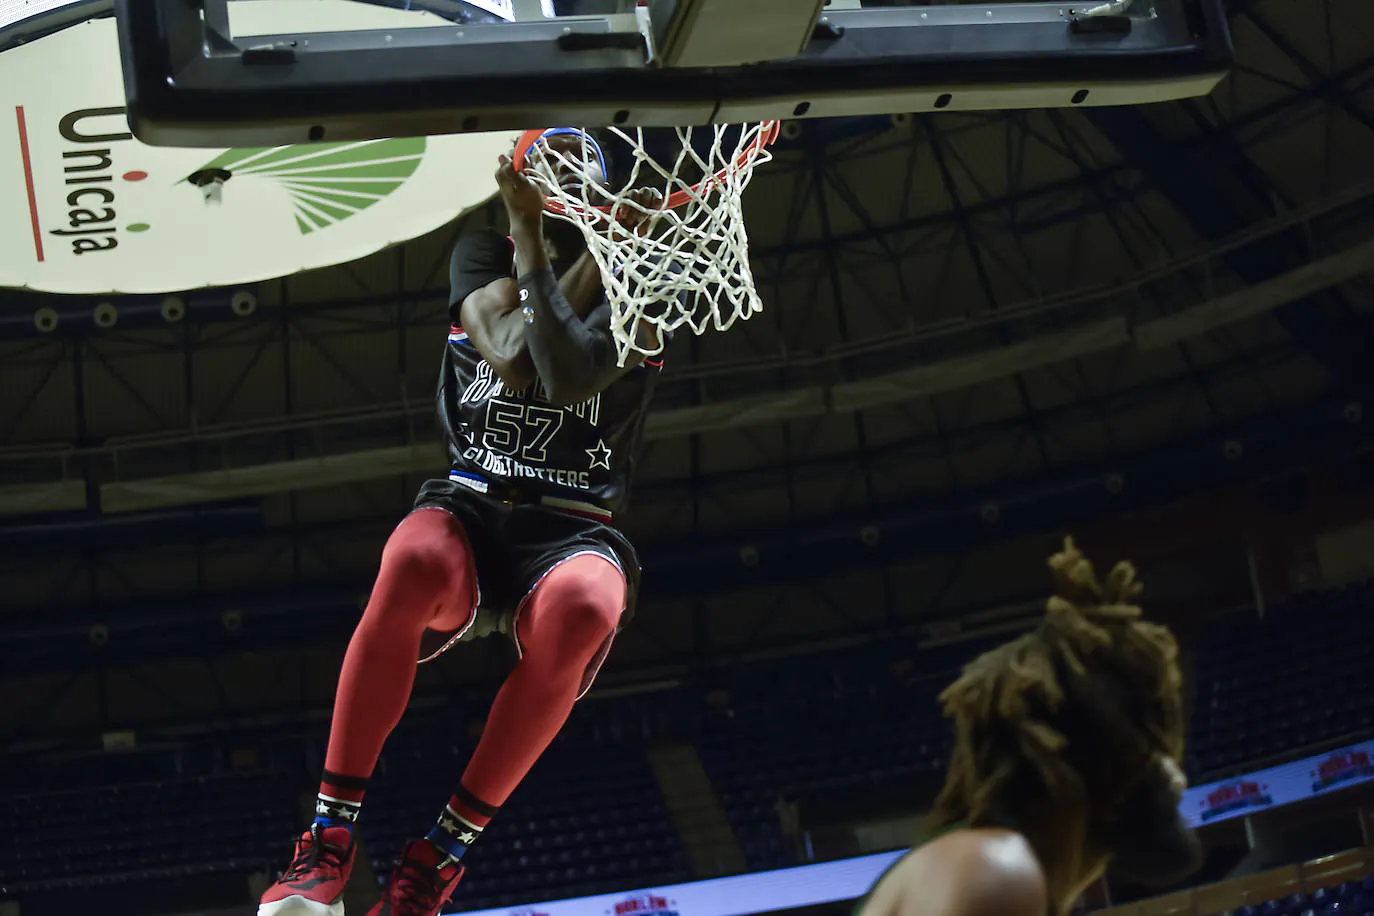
(970, 872)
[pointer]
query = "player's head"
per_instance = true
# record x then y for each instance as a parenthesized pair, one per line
(1072, 734)
(577, 157)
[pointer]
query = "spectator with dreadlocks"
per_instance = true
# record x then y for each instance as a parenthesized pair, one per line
(1066, 750)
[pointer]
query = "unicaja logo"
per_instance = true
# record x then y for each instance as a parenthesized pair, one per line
(327, 182)
(92, 216)
(86, 208)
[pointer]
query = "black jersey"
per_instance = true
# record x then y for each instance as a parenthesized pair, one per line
(580, 458)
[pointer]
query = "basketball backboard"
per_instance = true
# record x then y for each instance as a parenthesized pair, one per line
(255, 73)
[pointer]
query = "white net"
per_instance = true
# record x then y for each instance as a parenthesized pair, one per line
(686, 263)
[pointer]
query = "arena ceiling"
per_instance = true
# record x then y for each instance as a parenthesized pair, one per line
(976, 326)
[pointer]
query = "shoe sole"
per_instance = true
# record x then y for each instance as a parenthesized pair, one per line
(297, 905)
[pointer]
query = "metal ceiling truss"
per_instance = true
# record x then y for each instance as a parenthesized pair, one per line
(189, 438)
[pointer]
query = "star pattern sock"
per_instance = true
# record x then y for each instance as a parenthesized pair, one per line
(340, 800)
(461, 824)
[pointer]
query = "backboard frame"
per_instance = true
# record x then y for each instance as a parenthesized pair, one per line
(189, 83)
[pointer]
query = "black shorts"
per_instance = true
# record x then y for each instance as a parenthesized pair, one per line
(514, 546)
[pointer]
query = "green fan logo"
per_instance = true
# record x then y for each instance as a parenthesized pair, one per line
(328, 182)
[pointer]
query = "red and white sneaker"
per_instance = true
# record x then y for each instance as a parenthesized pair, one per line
(314, 882)
(418, 886)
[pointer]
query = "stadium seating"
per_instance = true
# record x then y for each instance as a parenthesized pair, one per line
(1351, 899)
(818, 725)
(1322, 642)
(807, 727)
(1307, 889)
(611, 831)
(123, 834)
(588, 819)
(591, 818)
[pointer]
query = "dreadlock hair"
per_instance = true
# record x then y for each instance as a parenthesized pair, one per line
(1055, 730)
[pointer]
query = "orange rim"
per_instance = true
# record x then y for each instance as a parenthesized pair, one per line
(766, 138)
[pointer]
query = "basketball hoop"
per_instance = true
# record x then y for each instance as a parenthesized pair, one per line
(688, 262)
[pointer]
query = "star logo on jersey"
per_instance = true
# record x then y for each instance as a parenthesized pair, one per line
(600, 455)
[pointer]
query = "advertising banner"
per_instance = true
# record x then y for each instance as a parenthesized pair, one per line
(13, 12)
(762, 892)
(849, 879)
(503, 8)
(1280, 785)
(86, 208)
(506, 8)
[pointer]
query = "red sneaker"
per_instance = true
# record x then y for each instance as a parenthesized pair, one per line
(418, 886)
(313, 884)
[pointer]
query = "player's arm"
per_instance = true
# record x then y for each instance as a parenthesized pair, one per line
(492, 322)
(575, 359)
(966, 873)
(487, 302)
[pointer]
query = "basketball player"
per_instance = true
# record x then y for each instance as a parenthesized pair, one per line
(543, 429)
(1065, 760)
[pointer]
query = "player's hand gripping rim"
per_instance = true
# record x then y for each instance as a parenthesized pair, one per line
(637, 210)
(524, 201)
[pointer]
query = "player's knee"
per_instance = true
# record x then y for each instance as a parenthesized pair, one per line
(425, 561)
(589, 606)
(584, 602)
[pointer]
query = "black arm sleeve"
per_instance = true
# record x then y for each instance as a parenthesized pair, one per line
(575, 359)
(479, 259)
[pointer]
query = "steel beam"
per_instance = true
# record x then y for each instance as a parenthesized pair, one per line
(1193, 184)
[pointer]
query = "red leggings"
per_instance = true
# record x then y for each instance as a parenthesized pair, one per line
(427, 580)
